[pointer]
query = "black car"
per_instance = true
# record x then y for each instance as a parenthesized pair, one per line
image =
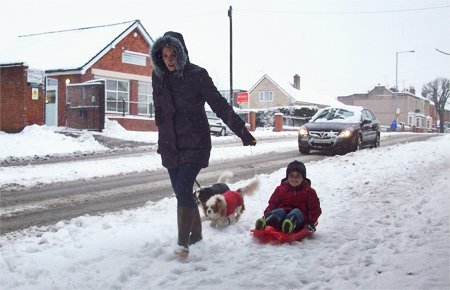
(340, 130)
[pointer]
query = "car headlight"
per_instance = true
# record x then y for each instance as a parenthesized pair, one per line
(303, 132)
(346, 133)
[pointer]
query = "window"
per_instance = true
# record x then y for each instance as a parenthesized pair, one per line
(410, 119)
(368, 115)
(117, 96)
(266, 96)
(145, 99)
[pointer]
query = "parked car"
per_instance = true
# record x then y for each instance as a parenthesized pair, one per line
(339, 130)
(216, 125)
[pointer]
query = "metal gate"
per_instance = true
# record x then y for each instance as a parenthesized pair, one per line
(85, 105)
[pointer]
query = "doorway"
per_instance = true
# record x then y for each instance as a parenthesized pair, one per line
(51, 102)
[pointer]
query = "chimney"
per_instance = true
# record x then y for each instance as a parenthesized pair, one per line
(297, 81)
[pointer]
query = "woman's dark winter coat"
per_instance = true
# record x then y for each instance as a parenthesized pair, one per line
(303, 197)
(179, 98)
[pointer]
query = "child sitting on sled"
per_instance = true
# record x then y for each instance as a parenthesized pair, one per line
(294, 203)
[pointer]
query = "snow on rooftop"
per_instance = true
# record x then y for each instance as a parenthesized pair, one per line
(305, 94)
(61, 50)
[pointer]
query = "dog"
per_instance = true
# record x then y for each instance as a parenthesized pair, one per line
(226, 209)
(203, 194)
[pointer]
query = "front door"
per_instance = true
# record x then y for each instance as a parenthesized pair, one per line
(51, 102)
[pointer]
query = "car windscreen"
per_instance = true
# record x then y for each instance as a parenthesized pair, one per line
(337, 115)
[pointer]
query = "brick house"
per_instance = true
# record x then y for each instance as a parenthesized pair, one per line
(435, 116)
(91, 73)
(415, 111)
(268, 93)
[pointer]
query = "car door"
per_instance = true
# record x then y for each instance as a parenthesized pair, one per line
(370, 127)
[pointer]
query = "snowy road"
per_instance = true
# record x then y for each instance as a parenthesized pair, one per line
(48, 204)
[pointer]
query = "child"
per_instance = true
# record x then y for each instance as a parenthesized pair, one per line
(293, 204)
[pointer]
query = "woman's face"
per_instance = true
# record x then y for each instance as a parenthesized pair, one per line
(295, 178)
(168, 56)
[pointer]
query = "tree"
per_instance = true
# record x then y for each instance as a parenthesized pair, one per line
(438, 91)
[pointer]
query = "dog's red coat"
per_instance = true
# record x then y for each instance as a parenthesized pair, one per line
(233, 199)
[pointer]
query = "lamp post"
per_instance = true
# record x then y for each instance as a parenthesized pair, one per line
(230, 14)
(397, 109)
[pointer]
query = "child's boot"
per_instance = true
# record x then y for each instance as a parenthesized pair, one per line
(288, 226)
(260, 224)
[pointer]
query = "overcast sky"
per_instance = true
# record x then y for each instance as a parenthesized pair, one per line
(337, 47)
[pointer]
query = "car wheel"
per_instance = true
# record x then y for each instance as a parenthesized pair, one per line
(376, 144)
(304, 151)
(358, 143)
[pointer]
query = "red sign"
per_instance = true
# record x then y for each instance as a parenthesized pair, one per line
(242, 97)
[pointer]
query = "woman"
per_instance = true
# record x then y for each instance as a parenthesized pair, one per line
(180, 90)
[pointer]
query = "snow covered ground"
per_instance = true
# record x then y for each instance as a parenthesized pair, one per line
(385, 225)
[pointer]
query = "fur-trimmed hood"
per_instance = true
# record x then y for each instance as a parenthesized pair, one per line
(175, 41)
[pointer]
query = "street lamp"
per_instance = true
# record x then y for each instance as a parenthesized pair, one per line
(397, 109)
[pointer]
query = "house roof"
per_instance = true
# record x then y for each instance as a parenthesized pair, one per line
(68, 50)
(382, 89)
(304, 96)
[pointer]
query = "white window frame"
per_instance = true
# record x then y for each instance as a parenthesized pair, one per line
(145, 98)
(410, 119)
(119, 95)
(266, 96)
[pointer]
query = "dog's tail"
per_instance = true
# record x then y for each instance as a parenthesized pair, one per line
(250, 188)
(225, 177)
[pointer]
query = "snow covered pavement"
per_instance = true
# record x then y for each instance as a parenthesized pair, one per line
(385, 225)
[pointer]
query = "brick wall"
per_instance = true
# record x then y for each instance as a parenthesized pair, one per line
(17, 108)
(136, 124)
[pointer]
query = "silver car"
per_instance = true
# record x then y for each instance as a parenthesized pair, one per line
(216, 125)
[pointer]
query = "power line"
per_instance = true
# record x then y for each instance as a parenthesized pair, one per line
(76, 29)
(442, 51)
(348, 12)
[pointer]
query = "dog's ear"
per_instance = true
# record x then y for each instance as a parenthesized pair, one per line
(221, 207)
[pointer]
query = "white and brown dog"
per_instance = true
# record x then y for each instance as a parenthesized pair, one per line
(202, 194)
(226, 209)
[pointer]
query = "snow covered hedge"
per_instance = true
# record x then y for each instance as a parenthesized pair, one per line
(265, 117)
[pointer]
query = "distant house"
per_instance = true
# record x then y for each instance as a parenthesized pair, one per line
(88, 74)
(414, 111)
(268, 93)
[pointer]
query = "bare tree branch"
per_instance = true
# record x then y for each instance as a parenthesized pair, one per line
(438, 91)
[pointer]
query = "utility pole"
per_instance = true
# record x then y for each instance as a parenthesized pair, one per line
(230, 14)
(397, 109)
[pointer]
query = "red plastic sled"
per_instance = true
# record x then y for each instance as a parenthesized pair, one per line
(271, 235)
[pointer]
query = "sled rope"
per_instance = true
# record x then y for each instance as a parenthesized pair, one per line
(259, 191)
